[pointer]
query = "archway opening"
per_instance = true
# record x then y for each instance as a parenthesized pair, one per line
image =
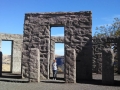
(6, 48)
(59, 56)
(57, 52)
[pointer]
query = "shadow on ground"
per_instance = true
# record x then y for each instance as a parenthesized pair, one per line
(98, 82)
(58, 80)
(15, 78)
(14, 81)
(53, 82)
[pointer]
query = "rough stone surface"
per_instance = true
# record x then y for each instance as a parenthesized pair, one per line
(58, 39)
(16, 50)
(105, 40)
(107, 66)
(97, 58)
(78, 36)
(0, 44)
(70, 66)
(34, 65)
(52, 54)
(118, 52)
(0, 63)
(98, 44)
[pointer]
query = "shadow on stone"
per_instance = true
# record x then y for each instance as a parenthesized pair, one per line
(84, 60)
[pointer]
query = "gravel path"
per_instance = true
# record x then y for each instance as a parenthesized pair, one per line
(56, 85)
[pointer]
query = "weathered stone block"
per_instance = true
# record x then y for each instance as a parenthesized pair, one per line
(34, 65)
(107, 66)
(0, 63)
(97, 57)
(70, 66)
(16, 57)
(16, 40)
(0, 43)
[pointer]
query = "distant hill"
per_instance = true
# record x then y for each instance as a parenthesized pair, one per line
(6, 59)
(56, 56)
(60, 63)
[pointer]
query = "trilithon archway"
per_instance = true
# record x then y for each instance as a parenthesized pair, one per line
(77, 40)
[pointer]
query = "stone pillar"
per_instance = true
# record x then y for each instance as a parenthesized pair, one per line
(0, 63)
(34, 65)
(118, 52)
(0, 43)
(52, 54)
(107, 66)
(25, 59)
(0, 59)
(16, 56)
(70, 66)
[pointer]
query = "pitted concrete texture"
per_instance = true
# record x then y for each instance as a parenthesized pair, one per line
(78, 36)
(52, 54)
(98, 44)
(16, 49)
(0, 63)
(70, 66)
(17, 42)
(0, 44)
(58, 39)
(97, 58)
(7, 36)
(107, 66)
(97, 50)
(34, 65)
(25, 67)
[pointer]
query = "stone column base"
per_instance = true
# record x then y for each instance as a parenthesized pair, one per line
(70, 66)
(34, 65)
(107, 66)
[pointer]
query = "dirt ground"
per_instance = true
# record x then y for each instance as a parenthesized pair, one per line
(8, 83)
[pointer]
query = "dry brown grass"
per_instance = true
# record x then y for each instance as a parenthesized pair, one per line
(6, 63)
(5, 67)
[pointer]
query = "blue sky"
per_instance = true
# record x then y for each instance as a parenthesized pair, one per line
(12, 14)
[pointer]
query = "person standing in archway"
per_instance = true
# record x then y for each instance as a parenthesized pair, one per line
(54, 67)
